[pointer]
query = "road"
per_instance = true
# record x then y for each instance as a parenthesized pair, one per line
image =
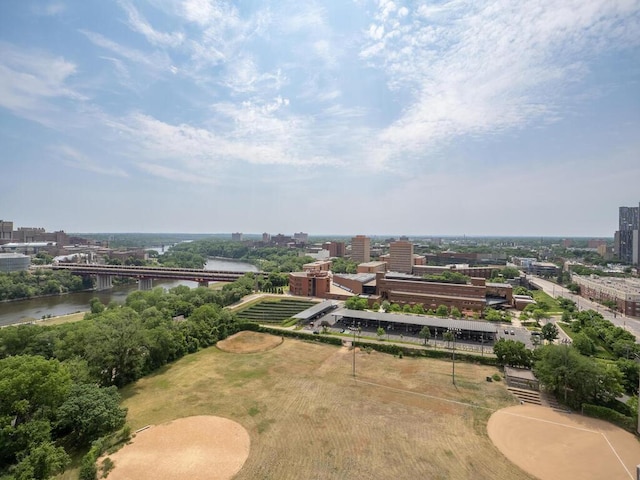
(630, 324)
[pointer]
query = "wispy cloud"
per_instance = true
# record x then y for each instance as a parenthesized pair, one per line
(49, 9)
(139, 24)
(75, 159)
(155, 61)
(483, 68)
(31, 79)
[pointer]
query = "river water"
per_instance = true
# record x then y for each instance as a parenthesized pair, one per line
(35, 308)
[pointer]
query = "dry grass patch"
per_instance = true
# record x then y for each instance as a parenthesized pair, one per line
(308, 418)
(72, 317)
(249, 342)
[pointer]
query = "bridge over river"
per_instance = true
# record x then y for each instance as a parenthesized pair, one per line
(146, 275)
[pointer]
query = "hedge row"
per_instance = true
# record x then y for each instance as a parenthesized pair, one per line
(389, 348)
(610, 415)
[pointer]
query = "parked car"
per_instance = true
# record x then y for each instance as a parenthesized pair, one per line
(512, 332)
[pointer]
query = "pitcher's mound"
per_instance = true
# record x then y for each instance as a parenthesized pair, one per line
(198, 448)
(553, 445)
(249, 342)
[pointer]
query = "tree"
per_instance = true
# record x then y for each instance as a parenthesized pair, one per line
(549, 332)
(455, 312)
(513, 353)
(448, 337)
(42, 462)
(385, 306)
(425, 333)
(584, 344)
(442, 311)
(96, 305)
(380, 332)
(418, 309)
(90, 412)
(576, 379)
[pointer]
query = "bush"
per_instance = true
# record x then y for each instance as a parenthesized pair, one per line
(610, 415)
(496, 377)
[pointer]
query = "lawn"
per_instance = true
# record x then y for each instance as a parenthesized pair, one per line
(540, 296)
(308, 418)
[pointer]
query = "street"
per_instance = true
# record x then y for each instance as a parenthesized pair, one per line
(632, 325)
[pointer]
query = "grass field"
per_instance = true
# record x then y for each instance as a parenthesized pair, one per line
(540, 296)
(308, 418)
(271, 311)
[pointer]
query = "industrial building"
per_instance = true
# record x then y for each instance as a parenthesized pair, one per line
(14, 262)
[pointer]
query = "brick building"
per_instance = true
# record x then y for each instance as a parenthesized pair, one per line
(360, 249)
(310, 284)
(624, 291)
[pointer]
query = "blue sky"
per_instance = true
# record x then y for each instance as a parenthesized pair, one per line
(500, 117)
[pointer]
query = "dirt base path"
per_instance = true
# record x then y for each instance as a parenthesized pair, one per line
(197, 448)
(249, 342)
(554, 445)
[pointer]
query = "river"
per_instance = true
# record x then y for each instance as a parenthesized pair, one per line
(35, 308)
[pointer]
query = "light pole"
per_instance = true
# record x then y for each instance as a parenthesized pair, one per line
(353, 347)
(454, 333)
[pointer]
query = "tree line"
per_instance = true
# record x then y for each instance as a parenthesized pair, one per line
(27, 284)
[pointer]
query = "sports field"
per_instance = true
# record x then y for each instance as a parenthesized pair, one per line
(308, 418)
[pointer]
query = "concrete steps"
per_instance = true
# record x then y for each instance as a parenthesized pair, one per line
(527, 396)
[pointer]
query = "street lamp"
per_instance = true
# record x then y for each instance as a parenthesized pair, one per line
(454, 333)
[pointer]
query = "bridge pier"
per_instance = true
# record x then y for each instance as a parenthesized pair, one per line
(145, 284)
(104, 282)
(204, 284)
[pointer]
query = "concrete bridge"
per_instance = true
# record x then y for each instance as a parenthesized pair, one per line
(146, 275)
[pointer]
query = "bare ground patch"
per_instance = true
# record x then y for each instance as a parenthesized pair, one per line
(249, 342)
(199, 448)
(555, 445)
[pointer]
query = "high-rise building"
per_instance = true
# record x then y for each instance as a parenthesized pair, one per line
(236, 237)
(336, 249)
(6, 230)
(360, 249)
(266, 238)
(401, 256)
(627, 238)
(301, 237)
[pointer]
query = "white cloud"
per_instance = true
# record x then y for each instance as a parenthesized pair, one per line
(155, 61)
(139, 24)
(75, 159)
(30, 80)
(483, 68)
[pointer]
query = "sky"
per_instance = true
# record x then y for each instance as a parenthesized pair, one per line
(496, 117)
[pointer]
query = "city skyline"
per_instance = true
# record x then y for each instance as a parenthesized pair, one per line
(196, 116)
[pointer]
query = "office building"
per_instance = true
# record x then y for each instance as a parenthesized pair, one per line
(236, 237)
(6, 231)
(627, 238)
(401, 256)
(301, 237)
(360, 249)
(336, 249)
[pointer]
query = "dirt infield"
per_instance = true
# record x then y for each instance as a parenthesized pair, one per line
(554, 445)
(200, 447)
(249, 342)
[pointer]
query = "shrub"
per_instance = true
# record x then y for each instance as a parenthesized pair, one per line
(496, 377)
(610, 415)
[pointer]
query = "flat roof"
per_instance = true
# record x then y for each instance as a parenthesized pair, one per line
(358, 277)
(315, 310)
(421, 320)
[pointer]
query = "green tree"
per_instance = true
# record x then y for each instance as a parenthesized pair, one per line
(455, 312)
(380, 332)
(96, 305)
(418, 309)
(442, 311)
(385, 306)
(448, 337)
(42, 462)
(583, 344)
(513, 353)
(425, 333)
(549, 332)
(90, 412)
